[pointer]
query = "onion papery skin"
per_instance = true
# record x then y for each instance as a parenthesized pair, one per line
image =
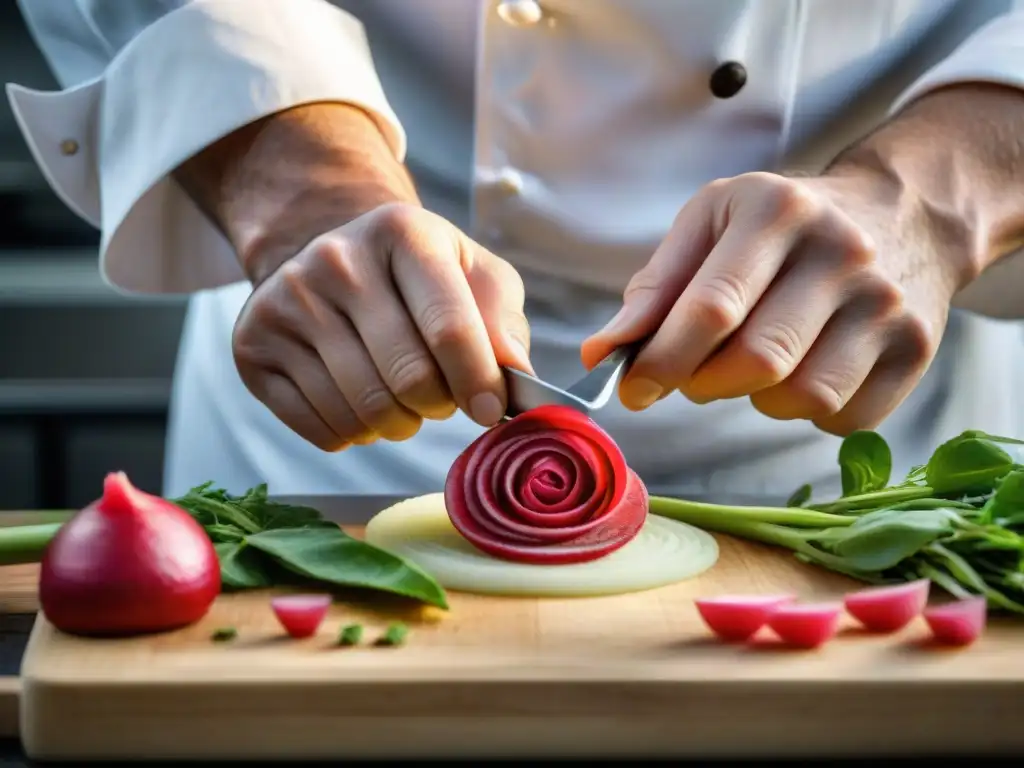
(549, 487)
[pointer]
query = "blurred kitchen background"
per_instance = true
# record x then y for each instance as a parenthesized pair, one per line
(84, 372)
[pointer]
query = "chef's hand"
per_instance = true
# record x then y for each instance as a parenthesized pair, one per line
(816, 297)
(390, 319)
(369, 313)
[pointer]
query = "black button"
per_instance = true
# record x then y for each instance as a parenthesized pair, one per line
(728, 80)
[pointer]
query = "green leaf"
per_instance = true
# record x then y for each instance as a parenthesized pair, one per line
(213, 507)
(969, 463)
(992, 438)
(219, 533)
(330, 555)
(882, 539)
(963, 572)
(800, 496)
(1008, 500)
(241, 567)
(865, 463)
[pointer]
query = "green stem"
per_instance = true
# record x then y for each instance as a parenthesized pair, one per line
(875, 499)
(714, 516)
(25, 543)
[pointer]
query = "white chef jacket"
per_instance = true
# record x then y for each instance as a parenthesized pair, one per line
(562, 134)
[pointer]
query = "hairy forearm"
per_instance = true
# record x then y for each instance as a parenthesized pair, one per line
(273, 186)
(955, 158)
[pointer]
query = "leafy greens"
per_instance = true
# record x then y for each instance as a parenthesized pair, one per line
(957, 520)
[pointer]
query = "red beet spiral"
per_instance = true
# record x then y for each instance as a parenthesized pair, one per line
(548, 487)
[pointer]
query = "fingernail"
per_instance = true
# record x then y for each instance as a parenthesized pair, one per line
(486, 409)
(641, 393)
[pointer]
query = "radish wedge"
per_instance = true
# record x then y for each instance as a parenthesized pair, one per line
(957, 623)
(736, 618)
(806, 625)
(301, 615)
(889, 608)
(419, 529)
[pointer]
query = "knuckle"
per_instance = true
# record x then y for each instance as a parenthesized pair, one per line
(821, 397)
(856, 248)
(294, 284)
(246, 350)
(338, 258)
(917, 338)
(373, 404)
(643, 283)
(884, 295)
(262, 312)
(774, 351)
(443, 327)
(395, 224)
(291, 277)
(717, 186)
(410, 376)
(719, 305)
(788, 201)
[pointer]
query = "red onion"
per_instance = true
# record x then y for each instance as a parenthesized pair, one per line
(129, 563)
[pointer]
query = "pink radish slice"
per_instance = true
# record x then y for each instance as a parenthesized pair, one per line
(957, 623)
(301, 615)
(737, 617)
(890, 608)
(808, 625)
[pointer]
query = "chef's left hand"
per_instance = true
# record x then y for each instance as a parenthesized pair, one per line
(819, 298)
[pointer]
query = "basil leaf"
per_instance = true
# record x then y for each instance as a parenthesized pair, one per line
(241, 567)
(330, 555)
(865, 463)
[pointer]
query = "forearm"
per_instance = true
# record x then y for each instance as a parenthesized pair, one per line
(955, 158)
(274, 185)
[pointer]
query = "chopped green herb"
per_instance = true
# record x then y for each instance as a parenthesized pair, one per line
(351, 635)
(224, 634)
(395, 635)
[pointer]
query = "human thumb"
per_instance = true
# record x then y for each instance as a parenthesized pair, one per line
(639, 317)
(498, 290)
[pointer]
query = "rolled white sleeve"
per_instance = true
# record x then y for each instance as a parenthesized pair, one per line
(993, 54)
(108, 145)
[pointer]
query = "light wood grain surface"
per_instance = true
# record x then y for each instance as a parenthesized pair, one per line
(17, 596)
(627, 675)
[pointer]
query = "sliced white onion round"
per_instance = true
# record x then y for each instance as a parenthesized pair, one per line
(664, 552)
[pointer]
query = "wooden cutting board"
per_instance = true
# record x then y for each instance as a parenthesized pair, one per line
(630, 675)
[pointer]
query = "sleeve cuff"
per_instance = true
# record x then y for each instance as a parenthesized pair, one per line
(107, 147)
(993, 54)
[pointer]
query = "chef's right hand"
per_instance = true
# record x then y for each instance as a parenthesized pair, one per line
(393, 318)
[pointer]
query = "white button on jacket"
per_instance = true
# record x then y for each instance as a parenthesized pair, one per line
(563, 134)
